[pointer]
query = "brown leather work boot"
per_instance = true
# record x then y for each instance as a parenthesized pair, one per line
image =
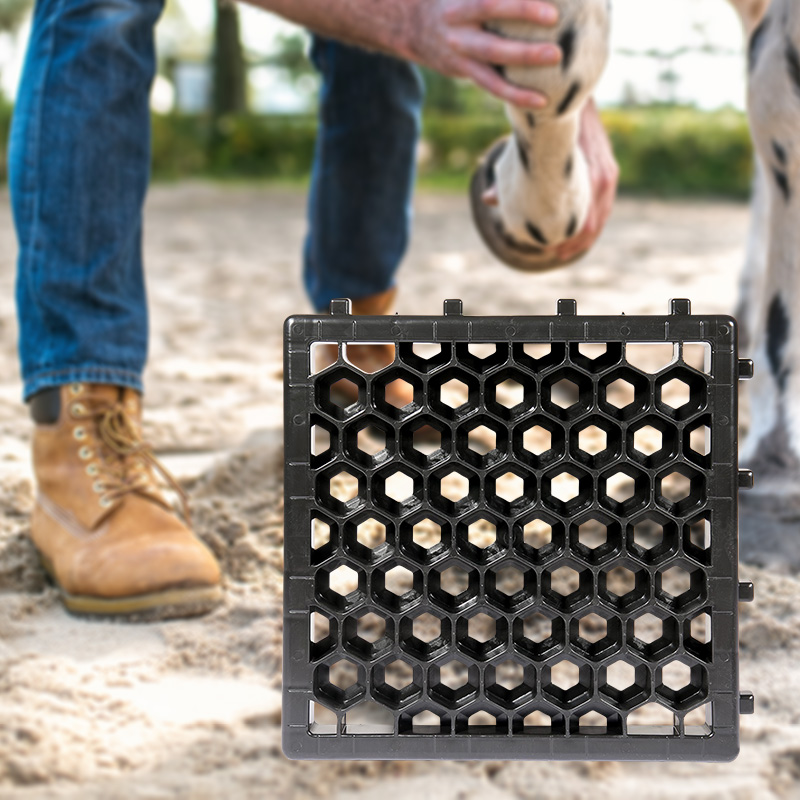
(370, 357)
(106, 533)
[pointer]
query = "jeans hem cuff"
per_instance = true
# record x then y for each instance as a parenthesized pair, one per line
(48, 379)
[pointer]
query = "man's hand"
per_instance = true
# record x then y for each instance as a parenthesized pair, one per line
(604, 174)
(448, 36)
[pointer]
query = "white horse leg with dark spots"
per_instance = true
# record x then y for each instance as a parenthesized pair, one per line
(537, 182)
(770, 524)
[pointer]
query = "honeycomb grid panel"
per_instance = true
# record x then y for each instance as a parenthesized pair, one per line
(535, 559)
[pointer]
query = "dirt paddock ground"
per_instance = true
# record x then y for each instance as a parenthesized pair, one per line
(192, 709)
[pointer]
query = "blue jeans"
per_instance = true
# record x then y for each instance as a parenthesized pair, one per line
(79, 160)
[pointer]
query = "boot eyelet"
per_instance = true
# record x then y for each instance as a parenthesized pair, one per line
(85, 453)
(76, 388)
(77, 409)
(79, 433)
(105, 502)
(92, 470)
(99, 487)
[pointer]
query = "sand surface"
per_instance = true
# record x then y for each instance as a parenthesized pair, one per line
(192, 709)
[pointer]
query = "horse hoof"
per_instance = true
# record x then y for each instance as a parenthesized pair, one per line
(518, 255)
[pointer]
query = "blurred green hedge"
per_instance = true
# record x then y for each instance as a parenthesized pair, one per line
(663, 151)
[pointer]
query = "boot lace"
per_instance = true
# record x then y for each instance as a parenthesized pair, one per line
(125, 462)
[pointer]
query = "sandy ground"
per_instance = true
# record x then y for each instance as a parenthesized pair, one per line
(192, 709)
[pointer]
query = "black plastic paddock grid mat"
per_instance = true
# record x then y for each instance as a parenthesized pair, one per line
(536, 558)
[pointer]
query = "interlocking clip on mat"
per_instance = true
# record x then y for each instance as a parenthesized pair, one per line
(536, 559)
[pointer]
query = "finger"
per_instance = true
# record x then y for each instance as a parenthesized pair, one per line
(491, 49)
(535, 11)
(489, 79)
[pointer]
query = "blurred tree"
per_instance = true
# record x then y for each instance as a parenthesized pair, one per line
(291, 55)
(12, 12)
(230, 70)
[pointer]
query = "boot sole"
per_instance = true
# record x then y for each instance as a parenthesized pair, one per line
(168, 604)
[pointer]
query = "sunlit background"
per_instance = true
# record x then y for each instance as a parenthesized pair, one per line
(235, 96)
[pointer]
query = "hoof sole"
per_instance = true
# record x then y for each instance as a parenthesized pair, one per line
(523, 257)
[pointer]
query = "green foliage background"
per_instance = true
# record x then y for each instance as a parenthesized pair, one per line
(662, 150)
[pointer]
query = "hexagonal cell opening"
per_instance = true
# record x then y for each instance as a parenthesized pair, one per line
(566, 489)
(697, 539)
(623, 393)
(592, 628)
(369, 358)
(453, 683)
(699, 721)
(481, 538)
(344, 486)
(399, 674)
(567, 393)
(625, 684)
(681, 489)
(427, 440)
(482, 440)
(620, 675)
(539, 723)
(399, 581)
(653, 537)
(397, 683)
(596, 636)
(653, 636)
(340, 683)
(509, 580)
(680, 585)
(481, 722)
(697, 355)
(593, 536)
(321, 721)
(454, 393)
(454, 487)
(371, 440)
(509, 394)
(424, 723)
(481, 635)
(396, 587)
(675, 393)
(371, 627)
(537, 440)
(681, 393)
(368, 719)
(624, 586)
(320, 440)
(699, 440)
(343, 393)
(624, 490)
(537, 533)
(368, 634)
(567, 683)
(344, 581)
(399, 487)
(426, 627)
(539, 635)
(620, 393)
(651, 357)
(426, 534)
(399, 394)
(597, 723)
(651, 719)
(371, 533)
(592, 440)
(566, 588)
(675, 487)
(425, 636)
(453, 588)
(320, 533)
(648, 440)
(510, 487)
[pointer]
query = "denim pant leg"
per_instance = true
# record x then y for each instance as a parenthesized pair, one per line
(364, 171)
(79, 161)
